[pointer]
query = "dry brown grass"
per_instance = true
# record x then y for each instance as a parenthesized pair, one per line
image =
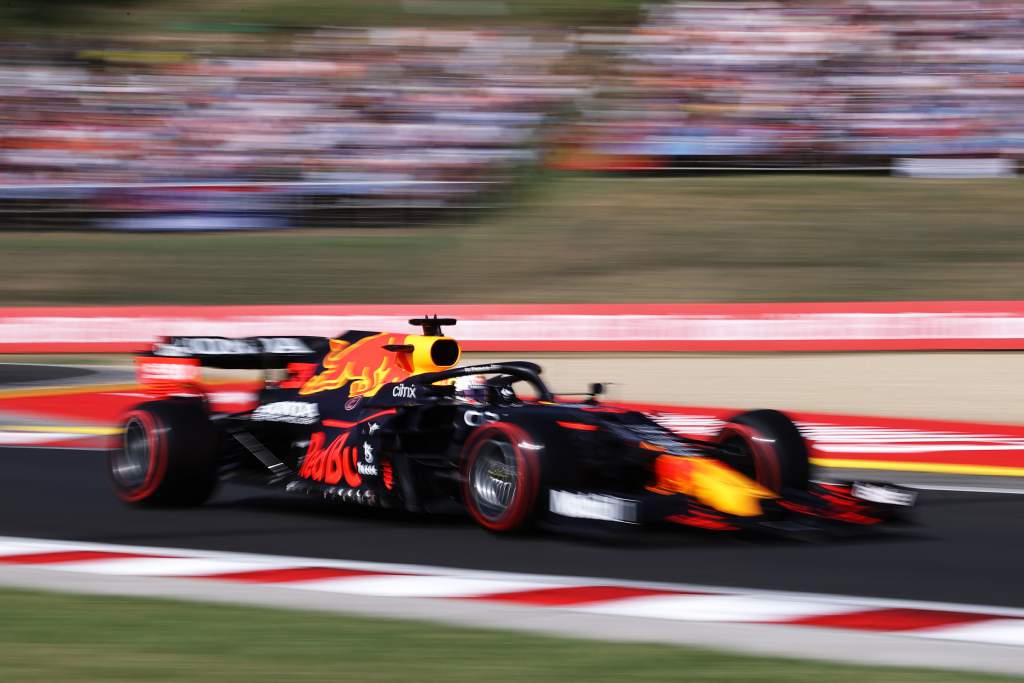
(579, 239)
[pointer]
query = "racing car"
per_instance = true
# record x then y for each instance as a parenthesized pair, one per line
(393, 421)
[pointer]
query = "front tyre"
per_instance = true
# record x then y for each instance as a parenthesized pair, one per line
(167, 454)
(501, 477)
(766, 446)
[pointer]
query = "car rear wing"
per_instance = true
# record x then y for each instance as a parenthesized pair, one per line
(253, 353)
(174, 364)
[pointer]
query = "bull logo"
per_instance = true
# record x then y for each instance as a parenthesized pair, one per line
(364, 366)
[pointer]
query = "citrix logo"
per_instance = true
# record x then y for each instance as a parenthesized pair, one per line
(403, 391)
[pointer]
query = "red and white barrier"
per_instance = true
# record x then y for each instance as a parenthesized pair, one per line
(946, 325)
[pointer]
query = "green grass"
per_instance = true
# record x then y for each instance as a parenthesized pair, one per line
(577, 238)
(47, 637)
(124, 17)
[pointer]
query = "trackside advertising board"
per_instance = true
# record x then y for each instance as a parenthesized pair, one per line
(936, 325)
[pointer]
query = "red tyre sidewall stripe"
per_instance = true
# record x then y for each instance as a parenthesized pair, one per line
(766, 460)
(527, 474)
(157, 459)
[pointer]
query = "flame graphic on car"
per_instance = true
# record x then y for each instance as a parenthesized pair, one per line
(364, 366)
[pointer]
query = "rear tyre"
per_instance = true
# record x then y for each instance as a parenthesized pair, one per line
(766, 446)
(500, 477)
(167, 454)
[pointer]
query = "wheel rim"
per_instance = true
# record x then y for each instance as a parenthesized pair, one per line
(740, 457)
(131, 462)
(494, 478)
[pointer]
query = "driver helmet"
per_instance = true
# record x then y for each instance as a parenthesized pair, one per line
(472, 388)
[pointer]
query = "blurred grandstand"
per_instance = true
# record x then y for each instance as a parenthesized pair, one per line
(835, 84)
(337, 120)
(377, 126)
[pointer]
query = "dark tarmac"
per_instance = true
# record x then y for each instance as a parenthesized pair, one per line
(962, 547)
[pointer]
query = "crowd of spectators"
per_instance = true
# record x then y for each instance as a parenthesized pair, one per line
(797, 83)
(355, 118)
(334, 118)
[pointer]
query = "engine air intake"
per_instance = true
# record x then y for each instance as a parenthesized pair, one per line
(445, 352)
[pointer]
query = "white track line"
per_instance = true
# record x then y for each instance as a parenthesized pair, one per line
(420, 586)
(967, 489)
(995, 632)
(730, 608)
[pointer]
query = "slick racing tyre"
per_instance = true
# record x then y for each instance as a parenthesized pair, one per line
(500, 477)
(766, 446)
(167, 454)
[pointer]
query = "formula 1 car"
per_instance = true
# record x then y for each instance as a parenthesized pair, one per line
(391, 420)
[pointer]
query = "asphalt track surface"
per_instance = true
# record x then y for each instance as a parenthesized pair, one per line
(963, 548)
(14, 374)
